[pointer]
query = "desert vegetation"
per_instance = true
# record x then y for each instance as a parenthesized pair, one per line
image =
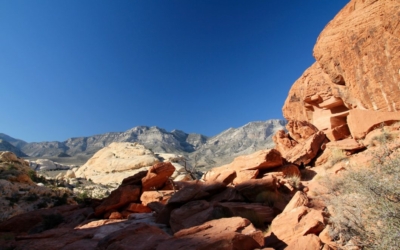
(364, 204)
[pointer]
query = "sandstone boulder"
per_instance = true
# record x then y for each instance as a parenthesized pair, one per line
(229, 194)
(283, 142)
(306, 151)
(117, 161)
(259, 214)
(191, 214)
(138, 236)
(156, 196)
(300, 130)
(257, 190)
(291, 225)
(196, 190)
(246, 166)
(307, 242)
(298, 200)
(120, 197)
(226, 233)
(157, 176)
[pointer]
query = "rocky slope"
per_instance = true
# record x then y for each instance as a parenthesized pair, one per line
(15, 142)
(6, 146)
(209, 151)
(231, 143)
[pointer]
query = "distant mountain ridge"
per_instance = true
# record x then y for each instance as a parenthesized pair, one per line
(209, 151)
(6, 146)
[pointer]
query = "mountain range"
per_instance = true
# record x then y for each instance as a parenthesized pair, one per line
(201, 150)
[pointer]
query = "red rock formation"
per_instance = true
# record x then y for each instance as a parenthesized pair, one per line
(246, 166)
(120, 197)
(357, 68)
(306, 151)
(291, 225)
(157, 176)
(226, 233)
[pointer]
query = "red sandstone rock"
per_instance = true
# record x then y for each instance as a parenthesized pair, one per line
(196, 190)
(298, 200)
(245, 175)
(363, 121)
(140, 236)
(191, 214)
(358, 50)
(356, 69)
(120, 197)
(283, 142)
(226, 176)
(161, 196)
(115, 216)
(224, 234)
(346, 144)
(157, 176)
(307, 150)
(259, 214)
(247, 166)
(285, 171)
(138, 208)
(289, 226)
(300, 130)
(135, 179)
(254, 190)
(338, 133)
(307, 242)
(72, 215)
(229, 194)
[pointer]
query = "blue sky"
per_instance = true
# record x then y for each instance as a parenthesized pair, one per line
(79, 68)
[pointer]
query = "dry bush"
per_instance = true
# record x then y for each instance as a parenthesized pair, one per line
(337, 155)
(294, 181)
(365, 203)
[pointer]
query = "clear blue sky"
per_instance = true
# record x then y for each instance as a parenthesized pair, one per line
(78, 68)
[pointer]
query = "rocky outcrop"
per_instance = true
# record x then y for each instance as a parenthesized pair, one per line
(19, 194)
(48, 165)
(356, 68)
(226, 233)
(119, 160)
(246, 167)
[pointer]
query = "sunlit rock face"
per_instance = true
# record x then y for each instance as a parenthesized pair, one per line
(357, 67)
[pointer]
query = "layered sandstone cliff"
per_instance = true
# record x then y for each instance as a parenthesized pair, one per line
(357, 68)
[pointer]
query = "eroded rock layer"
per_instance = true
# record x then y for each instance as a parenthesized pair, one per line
(357, 67)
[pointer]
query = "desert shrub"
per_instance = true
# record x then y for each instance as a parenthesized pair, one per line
(82, 196)
(294, 181)
(383, 138)
(365, 203)
(34, 177)
(337, 155)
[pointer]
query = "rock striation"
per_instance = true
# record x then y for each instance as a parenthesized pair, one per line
(357, 68)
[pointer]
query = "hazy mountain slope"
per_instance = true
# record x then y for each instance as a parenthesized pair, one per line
(210, 152)
(157, 139)
(15, 142)
(222, 148)
(7, 146)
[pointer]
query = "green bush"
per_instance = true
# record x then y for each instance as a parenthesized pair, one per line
(365, 203)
